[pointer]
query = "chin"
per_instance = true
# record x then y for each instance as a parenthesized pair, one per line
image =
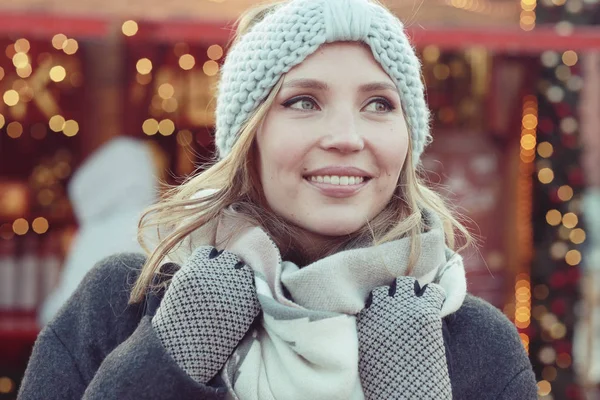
(333, 228)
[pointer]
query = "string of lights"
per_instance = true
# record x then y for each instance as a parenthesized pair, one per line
(558, 230)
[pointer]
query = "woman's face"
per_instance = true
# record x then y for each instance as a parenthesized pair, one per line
(332, 146)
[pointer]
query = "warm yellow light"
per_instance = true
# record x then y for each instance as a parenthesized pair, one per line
(20, 226)
(573, 257)
(523, 295)
(526, 26)
(565, 193)
(558, 331)
(527, 18)
(520, 317)
(526, 157)
(14, 130)
(546, 175)
(170, 105)
(58, 73)
(166, 127)
(70, 46)
(7, 385)
(545, 149)
(1, 73)
(569, 58)
(431, 53)
(187, 62)
(166, 91)
(553, 217)
(71, 128)
(11, 97)
(570, 220)
(22, 45)
(577, 236)
(150, 127)
(58, 41)
(215, 52)
(24, 72)
(20, 60)
(441, 71)
(544, 388)
(144, 66)
(40, 225)
(528, 5)
(210, 68)
(129, 28)
(528, 142)
(530, 121)
(2, 121)
(57, 123)
(522, 284)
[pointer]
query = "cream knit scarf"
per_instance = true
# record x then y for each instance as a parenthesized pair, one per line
(306, 346)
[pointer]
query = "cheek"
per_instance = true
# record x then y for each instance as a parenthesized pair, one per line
(391, 151)
(281, 147)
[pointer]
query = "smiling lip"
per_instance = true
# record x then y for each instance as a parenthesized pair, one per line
(339, 171)
(338, 191)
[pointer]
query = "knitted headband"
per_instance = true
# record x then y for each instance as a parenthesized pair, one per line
(295, 30)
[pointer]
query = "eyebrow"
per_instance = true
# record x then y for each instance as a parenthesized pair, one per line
(322, 86)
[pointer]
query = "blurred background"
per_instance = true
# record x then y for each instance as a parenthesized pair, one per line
(514, 87)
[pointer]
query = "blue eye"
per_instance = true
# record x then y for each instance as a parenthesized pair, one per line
(301, 103)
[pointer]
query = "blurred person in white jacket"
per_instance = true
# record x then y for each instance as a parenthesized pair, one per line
(108, 193)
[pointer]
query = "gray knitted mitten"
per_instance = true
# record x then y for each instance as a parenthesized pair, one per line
(402, 344)
(209, 306)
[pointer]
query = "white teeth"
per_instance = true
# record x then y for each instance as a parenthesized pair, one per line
(338, 180)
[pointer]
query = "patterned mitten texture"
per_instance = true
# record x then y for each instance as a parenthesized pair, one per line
(209, 306)
(402, 344)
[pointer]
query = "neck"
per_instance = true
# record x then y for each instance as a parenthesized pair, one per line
(310, 247)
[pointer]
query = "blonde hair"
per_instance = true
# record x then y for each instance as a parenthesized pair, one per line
(181, 212)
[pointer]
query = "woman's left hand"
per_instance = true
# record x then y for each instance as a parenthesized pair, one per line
(399, 332)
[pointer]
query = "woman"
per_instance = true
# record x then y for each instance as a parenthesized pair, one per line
(309, 262)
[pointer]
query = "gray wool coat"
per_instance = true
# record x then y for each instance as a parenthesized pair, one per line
(99, 347)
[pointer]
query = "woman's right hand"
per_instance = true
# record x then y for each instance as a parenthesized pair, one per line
(209, 306)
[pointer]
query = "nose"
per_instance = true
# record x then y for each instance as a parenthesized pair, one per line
(342, 134)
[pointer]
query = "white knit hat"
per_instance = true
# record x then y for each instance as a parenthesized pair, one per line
(295, 30)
